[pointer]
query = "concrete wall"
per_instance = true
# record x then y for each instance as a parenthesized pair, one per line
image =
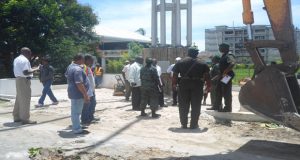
(8, 87)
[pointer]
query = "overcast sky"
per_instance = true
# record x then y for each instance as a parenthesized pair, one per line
(133, 14)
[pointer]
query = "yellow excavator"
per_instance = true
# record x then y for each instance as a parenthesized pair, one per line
(273, 92)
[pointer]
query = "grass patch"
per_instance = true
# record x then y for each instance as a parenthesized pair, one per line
(241, 74)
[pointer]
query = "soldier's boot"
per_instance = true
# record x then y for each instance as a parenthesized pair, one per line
(143, 114)
(154, 115)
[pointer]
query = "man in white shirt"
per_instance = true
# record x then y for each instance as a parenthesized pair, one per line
(161, 92)
(125, 74)
(174, 90)
(23, 73)
(135, 82)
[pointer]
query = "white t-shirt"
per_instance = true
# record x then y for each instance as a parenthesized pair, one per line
(21, 63)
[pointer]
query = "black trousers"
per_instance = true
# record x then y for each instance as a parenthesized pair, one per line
(175, 93)
(224, 91)
(161, 100)
(190, 97)
(136, 98)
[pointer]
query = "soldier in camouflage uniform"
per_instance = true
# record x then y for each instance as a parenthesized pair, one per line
(214, 73)
(149, 88)
(226, 65)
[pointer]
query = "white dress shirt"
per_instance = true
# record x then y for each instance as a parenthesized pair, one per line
(134, 74)
(21, 63)
(126, 71)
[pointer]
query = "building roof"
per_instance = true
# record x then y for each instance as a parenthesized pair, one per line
(115, 35)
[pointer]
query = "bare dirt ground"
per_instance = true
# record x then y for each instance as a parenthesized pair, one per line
(122, 134)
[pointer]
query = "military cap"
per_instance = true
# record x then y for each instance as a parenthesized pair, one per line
(224, 45)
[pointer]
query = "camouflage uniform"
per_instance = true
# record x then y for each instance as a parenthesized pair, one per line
(225, 90)
(149, 88)
(215, 71)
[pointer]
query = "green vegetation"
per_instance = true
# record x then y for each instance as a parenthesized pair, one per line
(60, 28)
(33, 152)
(241, 74)
(116, 65)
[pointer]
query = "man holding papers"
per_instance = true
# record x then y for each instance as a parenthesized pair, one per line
(224, 86)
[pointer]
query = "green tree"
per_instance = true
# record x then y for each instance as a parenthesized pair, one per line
(60, 28)
(135, 49)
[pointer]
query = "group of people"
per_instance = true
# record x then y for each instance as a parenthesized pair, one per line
(81, 88)
(143, 83)
(190, 75)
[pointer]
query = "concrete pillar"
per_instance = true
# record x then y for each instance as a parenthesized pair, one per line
(178, 23)
(189, 23)
(154, 24)
(163, 22)
(173, 34)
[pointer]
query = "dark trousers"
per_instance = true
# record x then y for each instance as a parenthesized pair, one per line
(175, 93)
(88, 110)
(127, 89)
(149, 96)
(224, 90)
(161, 100)
(136, 98)
(187, 97)
(213, 94)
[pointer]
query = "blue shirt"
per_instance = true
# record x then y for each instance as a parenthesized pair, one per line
(75, 75)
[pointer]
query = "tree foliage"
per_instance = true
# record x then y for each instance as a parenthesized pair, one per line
(60, 28)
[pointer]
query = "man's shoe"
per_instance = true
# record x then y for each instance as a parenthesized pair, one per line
(143, 114)
(165, 105)
(174, 104)
(155, 115)
(226, 110)
(82, 132)
(96, 119)
(55, 103)
(29, 122)
(184, 126)
(39, 105)
(194, 127)
(17, 120)
(211, 108)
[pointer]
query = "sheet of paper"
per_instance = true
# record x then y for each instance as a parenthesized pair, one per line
(226, 79)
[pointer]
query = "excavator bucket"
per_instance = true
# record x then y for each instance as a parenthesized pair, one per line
(270, 96)
(274, 92)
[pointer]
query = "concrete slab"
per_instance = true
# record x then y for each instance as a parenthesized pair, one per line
(238, 116)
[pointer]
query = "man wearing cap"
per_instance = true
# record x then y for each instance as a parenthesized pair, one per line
(98, 75)
(214, 73)
(190, 91)
(46, 77)
(125, 74)
(226, 65)
(149, 88)
(174, 90)
(23, 73)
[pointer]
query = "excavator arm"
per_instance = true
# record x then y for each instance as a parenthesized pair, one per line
(274, 92)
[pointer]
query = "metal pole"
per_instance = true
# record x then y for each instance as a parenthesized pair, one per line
(154, 24)
(163, 22)
(189, 23)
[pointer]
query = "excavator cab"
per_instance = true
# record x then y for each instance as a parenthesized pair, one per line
(274, 91)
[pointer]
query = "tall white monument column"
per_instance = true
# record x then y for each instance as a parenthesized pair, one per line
(178, 23)
(189, 23)
(175, 7)
(154, 23)
(163, 22)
